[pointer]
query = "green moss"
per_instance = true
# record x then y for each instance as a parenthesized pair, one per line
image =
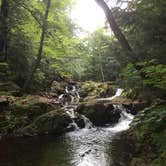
(149, 135)
(52, 122)
(23, 111)
(93, 90)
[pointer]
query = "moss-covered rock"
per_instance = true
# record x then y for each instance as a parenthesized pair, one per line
(53, 122)
(148, 135)
(92, 90)
(99, 112)
(18, 112)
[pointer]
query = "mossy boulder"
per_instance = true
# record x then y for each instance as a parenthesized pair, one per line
(91, 90)
(53, 122)
(99, 112)
(33, 106)
(18, 112)
(147, 137)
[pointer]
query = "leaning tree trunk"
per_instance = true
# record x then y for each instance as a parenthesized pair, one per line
(28, 83)
(115, 28)
(3, 29)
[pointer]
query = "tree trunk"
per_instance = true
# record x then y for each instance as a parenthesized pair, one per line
(116, 30)
(119, 35)
(3, 29)
(28, 83)
(101, 65)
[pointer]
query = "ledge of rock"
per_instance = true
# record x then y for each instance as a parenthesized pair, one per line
(133, 105)
(99, 112)
(53, 122)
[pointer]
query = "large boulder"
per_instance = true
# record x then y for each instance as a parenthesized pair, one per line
(100, 113)
(53, 122)
(134, 106)
(33, 106)
(91, 90)
(18, 112)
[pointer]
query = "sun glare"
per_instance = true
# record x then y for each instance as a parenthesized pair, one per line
(88, 15)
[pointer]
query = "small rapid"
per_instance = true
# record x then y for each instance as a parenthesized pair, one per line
(90, 146)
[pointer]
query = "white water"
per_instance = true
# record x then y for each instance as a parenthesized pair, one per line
(91, 145)
(124, 121)
(88, 123)
(118, 93)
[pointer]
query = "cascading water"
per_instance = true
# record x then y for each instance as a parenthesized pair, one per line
(70, 107)
(91, 146)
(118, 93)
(87, 122)
(124, 121)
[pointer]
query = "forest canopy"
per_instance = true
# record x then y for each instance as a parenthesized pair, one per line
(39, 43)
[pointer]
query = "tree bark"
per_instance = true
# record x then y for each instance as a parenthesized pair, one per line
(119, 35)
(28, 83)
(115, 28)
(3, 29)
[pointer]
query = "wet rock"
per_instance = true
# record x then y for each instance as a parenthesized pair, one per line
(91, 90)
(99, 112)
(33, 106)
(22, 111)
(134, 106)
(80, 121)
(53, 122)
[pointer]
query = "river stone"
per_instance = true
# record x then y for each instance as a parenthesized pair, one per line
(99, 112)
(53, 122)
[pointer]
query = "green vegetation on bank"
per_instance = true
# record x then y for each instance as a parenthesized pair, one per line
(148, 134)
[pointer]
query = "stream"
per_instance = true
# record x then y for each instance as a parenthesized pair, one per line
(91, 146)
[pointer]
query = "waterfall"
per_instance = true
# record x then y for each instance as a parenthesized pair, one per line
(118, 93)
(73, 125)
(70, 107)
(87, 122)
(124, 121)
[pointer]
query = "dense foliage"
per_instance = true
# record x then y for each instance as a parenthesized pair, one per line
(97, 57)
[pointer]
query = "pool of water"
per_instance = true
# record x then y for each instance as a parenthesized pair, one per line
(85, 147)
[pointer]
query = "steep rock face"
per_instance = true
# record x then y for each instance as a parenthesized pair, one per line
(99, 112)
(53, 122)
